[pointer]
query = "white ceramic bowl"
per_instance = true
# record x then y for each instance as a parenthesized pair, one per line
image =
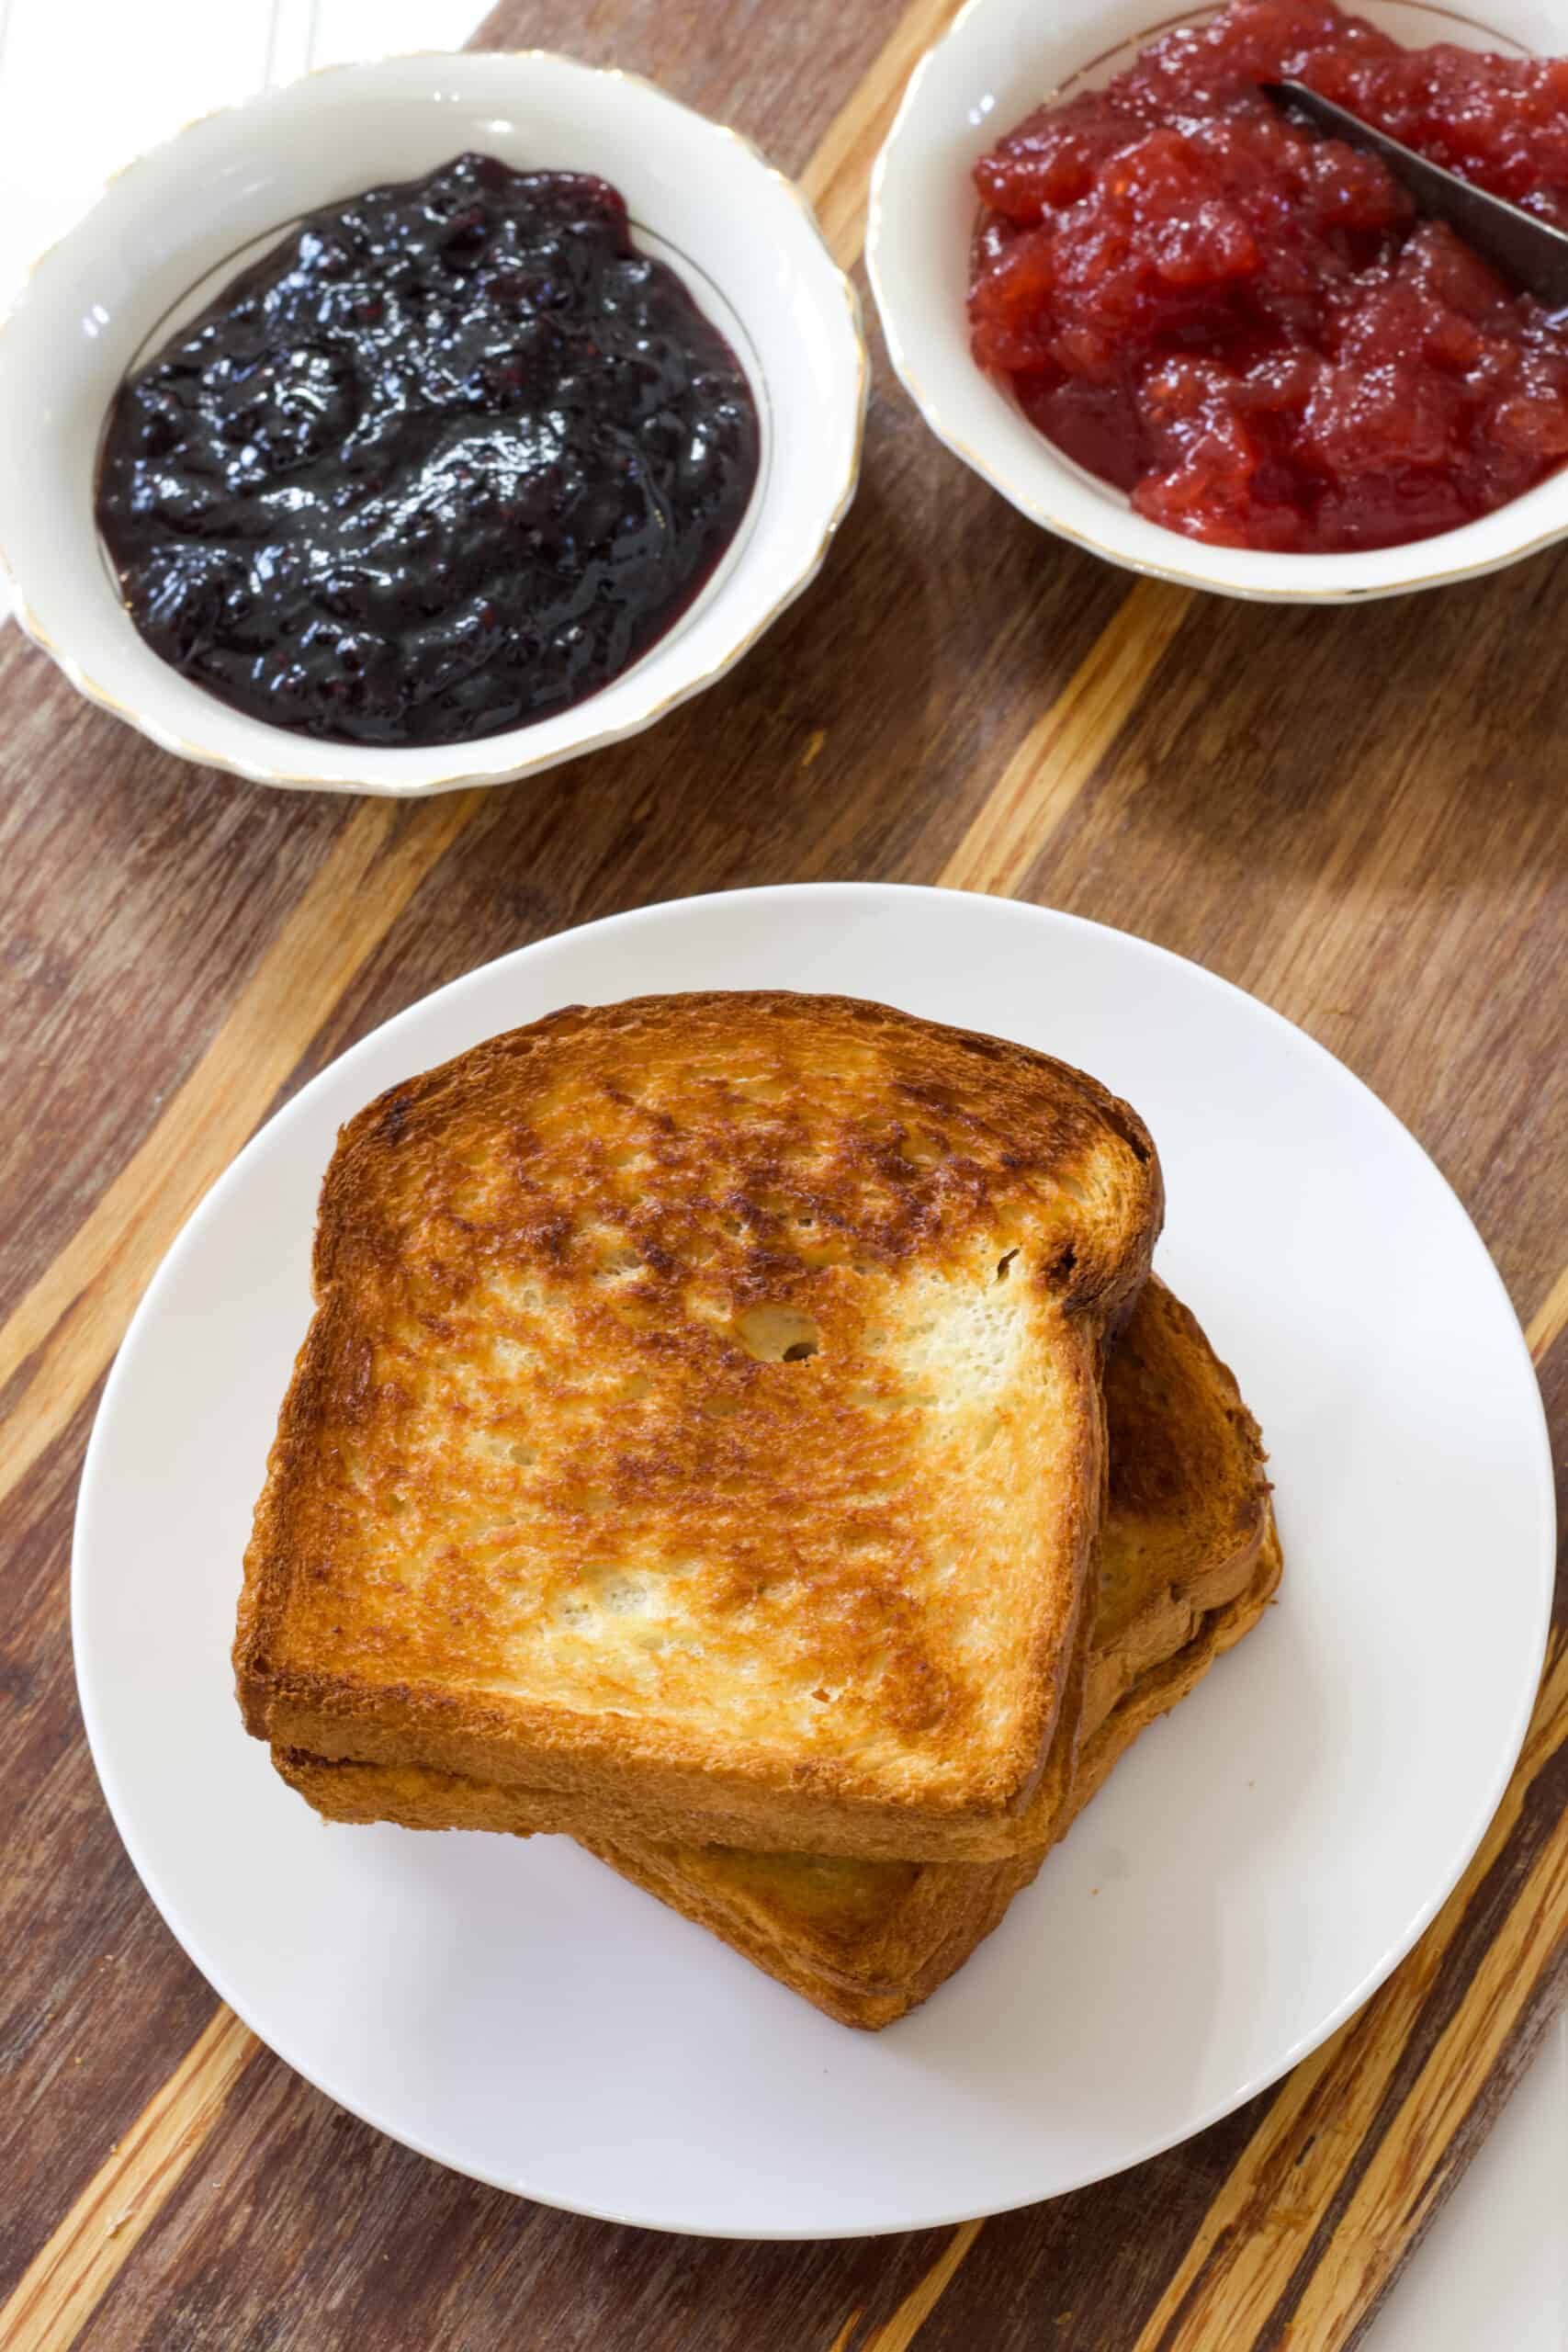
(1000, 58)
(169, 232)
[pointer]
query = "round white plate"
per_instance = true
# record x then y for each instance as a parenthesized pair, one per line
(1258, 1862)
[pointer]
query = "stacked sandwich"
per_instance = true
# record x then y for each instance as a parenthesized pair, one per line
(742, 1433)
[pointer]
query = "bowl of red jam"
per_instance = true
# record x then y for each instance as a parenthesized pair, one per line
(1199, 337)
(425, 424)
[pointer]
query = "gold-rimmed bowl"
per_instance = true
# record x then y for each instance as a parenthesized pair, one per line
(170, 231)
(999, 61)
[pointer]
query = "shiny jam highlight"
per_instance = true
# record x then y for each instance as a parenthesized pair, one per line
(444, 463)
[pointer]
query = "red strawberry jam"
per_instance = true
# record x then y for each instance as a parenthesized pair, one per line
(1248, 326)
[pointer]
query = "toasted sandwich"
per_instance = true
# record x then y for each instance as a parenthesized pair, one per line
(1189, 1558)
(699, 1433)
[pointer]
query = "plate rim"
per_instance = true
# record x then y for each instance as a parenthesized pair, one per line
(1026, 913)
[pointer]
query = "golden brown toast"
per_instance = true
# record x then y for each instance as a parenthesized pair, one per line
(701, 1425)
(864, 1941)
(891, 1941)
(1188, 1561)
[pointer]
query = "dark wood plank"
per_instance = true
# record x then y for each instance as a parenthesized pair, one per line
(1386, 864)
(272, 2236)
(1356, 814)
(135, 891)
(97, 2003)
(778, 74)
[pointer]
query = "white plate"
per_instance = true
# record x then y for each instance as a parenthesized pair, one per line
(179, 221)
(1000, 58)
(1255, 1867)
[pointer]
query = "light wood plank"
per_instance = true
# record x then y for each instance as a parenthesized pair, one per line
(835, 179)
(897, 2334)
(1242, 2259)
(63, 1332)
(68, 2277)
(1549, 1320)
(1402, 2187)
(1065, 745)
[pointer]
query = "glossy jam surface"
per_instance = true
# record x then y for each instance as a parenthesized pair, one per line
(1244, 325)
(446, 462)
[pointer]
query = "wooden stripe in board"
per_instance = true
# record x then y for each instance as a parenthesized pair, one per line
(1306, 2150)
(67, 1327)
(66, 2280)
(1067, 743)
(1549, 1320)
(896, 2334)
(835, 179)
(1401, 2188)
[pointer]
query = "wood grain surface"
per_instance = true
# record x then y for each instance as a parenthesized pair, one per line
(1361, 815)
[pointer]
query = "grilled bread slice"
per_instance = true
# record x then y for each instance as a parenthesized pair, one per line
(868, 1942)
(700, 1423)
(1187, 1560)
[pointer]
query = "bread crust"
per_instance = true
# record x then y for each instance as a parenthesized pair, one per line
(964, 1902)
(1189, 1558)
(623, 1198)
(902, 1931)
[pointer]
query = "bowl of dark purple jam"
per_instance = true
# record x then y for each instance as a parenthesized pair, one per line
(447, 461)
(471, 412)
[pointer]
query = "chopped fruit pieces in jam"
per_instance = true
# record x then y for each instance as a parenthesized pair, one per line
(1248, 326)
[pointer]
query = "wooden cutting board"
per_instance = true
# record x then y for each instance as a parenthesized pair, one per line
(1361, 815)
